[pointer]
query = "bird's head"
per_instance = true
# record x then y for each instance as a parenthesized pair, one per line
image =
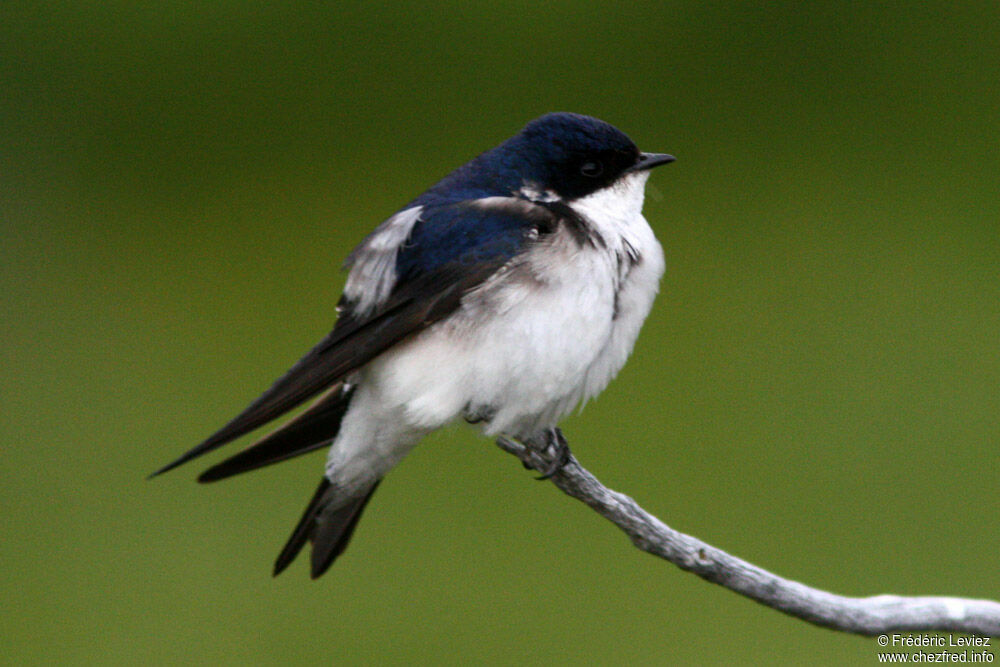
(556, 157)
(569, 156)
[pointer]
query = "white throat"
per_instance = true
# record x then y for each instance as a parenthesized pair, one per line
(616, 208)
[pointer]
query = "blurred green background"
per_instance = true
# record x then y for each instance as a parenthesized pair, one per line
(817, 389)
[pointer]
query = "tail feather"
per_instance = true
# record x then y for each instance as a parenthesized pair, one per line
(326, 523)
(311, 430)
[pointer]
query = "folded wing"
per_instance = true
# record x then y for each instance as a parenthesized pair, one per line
(450, 250)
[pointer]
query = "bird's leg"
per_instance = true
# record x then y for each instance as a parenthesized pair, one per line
(477, 414)
(551, 439)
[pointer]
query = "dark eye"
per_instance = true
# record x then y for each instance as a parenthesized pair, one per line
(592, 169)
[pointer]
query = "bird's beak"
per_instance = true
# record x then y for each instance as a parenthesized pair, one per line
(650, 160)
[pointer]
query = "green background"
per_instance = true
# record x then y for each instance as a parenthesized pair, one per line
(817, 389)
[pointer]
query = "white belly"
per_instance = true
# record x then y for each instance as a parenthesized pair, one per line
(529, 345)
(521, 352)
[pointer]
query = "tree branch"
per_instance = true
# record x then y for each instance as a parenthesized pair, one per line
(874, 615)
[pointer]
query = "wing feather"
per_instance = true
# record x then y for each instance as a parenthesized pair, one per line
(413, 307)
(451, 249)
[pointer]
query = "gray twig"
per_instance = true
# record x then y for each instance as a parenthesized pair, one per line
(873, 615)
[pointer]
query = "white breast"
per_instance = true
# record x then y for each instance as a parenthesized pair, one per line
(616, 212)
(550, 330)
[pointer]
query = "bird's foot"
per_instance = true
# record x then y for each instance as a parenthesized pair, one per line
(546, 451)
(551, 440)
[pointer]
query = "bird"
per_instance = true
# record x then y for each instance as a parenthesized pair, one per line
(505, 295)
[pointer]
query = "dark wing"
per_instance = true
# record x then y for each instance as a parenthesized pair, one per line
(410, 309)
(452, 249)
(313, 429)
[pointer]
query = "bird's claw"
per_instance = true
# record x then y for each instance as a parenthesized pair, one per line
(554, 439)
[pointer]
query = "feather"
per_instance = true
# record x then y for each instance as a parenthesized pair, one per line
(353, 343)
(311, 430)
(329, 523)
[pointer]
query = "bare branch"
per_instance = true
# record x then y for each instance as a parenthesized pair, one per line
(874, 615)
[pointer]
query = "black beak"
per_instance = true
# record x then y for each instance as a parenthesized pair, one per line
(650, 160)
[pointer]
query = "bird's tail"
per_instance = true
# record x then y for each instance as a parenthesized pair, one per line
(328, 523)
(329, 520)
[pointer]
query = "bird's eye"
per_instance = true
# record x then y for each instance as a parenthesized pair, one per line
(592, 169)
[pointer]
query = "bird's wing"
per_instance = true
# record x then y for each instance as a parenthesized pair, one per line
(312, 429)
(450, 250)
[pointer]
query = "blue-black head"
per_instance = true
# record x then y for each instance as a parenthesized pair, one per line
(559, 155)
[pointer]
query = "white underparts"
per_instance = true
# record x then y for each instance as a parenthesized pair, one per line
(545, 333)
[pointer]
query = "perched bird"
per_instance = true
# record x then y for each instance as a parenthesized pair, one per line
(505, 295)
